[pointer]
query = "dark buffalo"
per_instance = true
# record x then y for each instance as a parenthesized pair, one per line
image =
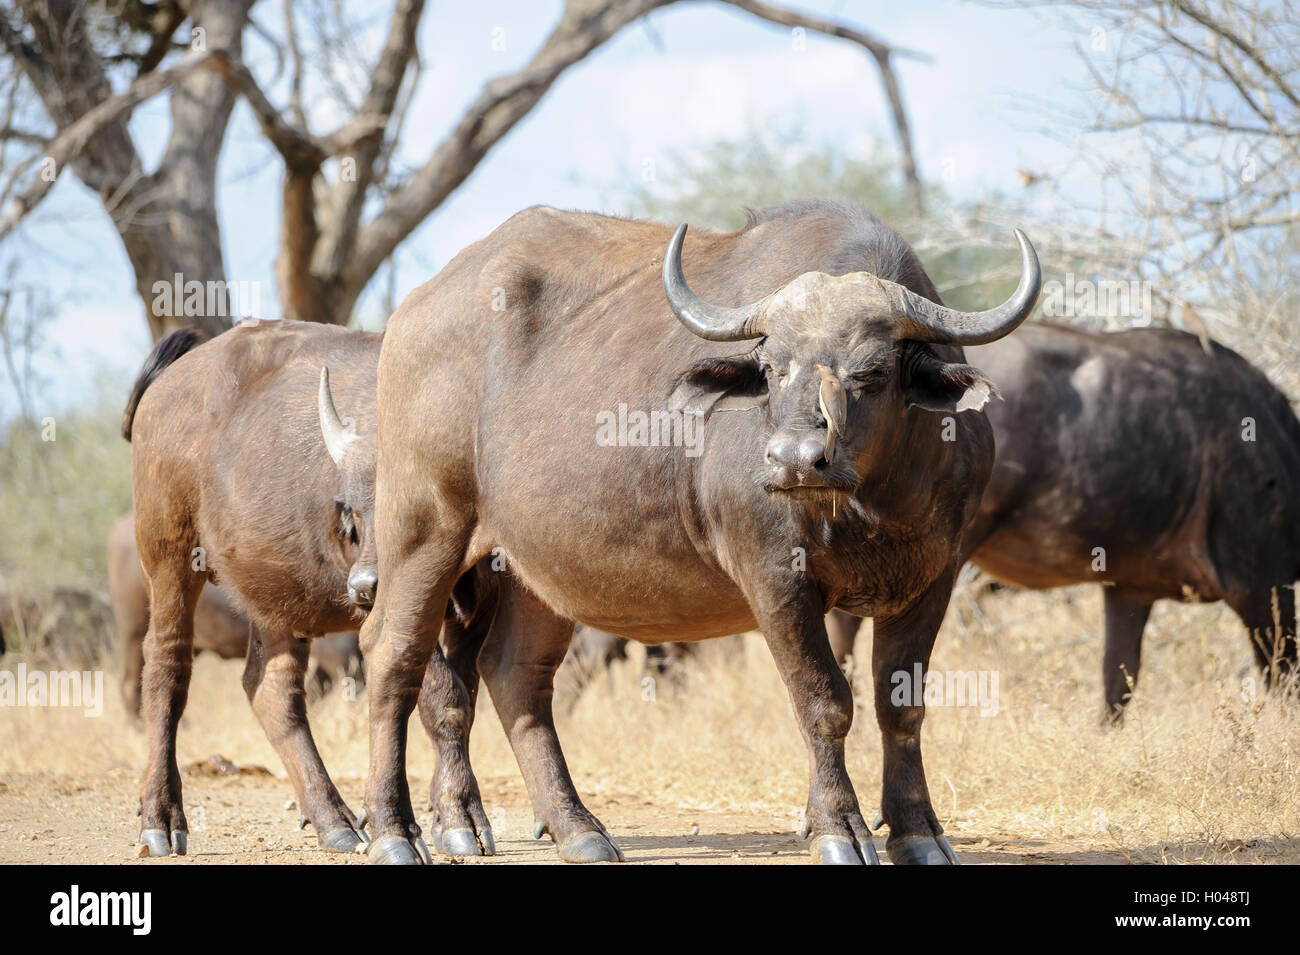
(245, 476)
(218, 626)
(40, 622)
(592, 651)
(497, 384)
(1138, 461)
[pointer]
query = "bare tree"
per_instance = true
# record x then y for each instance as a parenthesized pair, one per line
(167, 219)
(338, 230)
(75, 137)
(1193, 143)
(22, 312)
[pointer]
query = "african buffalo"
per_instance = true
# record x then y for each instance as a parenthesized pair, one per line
(514, 391)
(1138, 461)
(245, 475)
(591, 651)
(218, 627)
(41, 622)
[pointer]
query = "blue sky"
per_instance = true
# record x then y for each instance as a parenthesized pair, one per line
(699, 73)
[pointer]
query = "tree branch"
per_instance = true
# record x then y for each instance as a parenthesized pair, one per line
(883, 54)
(295, 58)
(792, 18)
(347, 201)
(74, 138)
(501, 104)
(1250, 50)
(22, 136)
(299, 148)
(586, 25)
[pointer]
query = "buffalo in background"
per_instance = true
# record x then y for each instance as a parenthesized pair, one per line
(1141, 461)
(218, 626)
(246, 476)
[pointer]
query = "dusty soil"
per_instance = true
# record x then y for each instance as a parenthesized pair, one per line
(55, 818)
(713, 770)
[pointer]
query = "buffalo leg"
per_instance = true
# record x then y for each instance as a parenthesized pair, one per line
(900, 649)
(1269, 616)
(795, 630)
(131, 643)
(842, 630)
(523, 651)
(400, 641)
(274, 679)
(1126, 618)
(447, 702)
(168, 659)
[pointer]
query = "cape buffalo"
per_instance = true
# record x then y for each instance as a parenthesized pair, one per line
(591, 651)
(1136, 460)
(218, 626)
(245, 475)
(514, 391)
(41, 621)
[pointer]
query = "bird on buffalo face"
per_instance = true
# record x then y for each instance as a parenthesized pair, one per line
(834, 407)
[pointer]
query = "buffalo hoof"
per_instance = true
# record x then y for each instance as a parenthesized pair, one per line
(465, 842)
(921, 850)
(841, 850)
(394, 850)
(343, 839)
(590, 847)
(157, 843)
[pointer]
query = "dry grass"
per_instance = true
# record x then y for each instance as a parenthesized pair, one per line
(1198, 774)
(62, 486)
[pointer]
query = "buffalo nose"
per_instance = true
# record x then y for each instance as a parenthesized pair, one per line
(796, 459)
(362, 584)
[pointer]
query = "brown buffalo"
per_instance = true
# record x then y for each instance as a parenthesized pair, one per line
(218, 626)
(1138, 461)
(506, 388)
(245, 476)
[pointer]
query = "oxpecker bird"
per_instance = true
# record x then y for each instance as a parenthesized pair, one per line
(834, 405)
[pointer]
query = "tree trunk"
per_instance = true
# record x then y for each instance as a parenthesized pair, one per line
(167, 219)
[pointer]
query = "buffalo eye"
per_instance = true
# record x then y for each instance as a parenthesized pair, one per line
(772, 373)
(871, 382)
(871, 379)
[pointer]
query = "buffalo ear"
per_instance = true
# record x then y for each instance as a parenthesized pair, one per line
(932, 384)
(736, 381)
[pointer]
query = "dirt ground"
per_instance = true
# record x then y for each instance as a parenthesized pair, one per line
(712, 770)
(55, 818)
